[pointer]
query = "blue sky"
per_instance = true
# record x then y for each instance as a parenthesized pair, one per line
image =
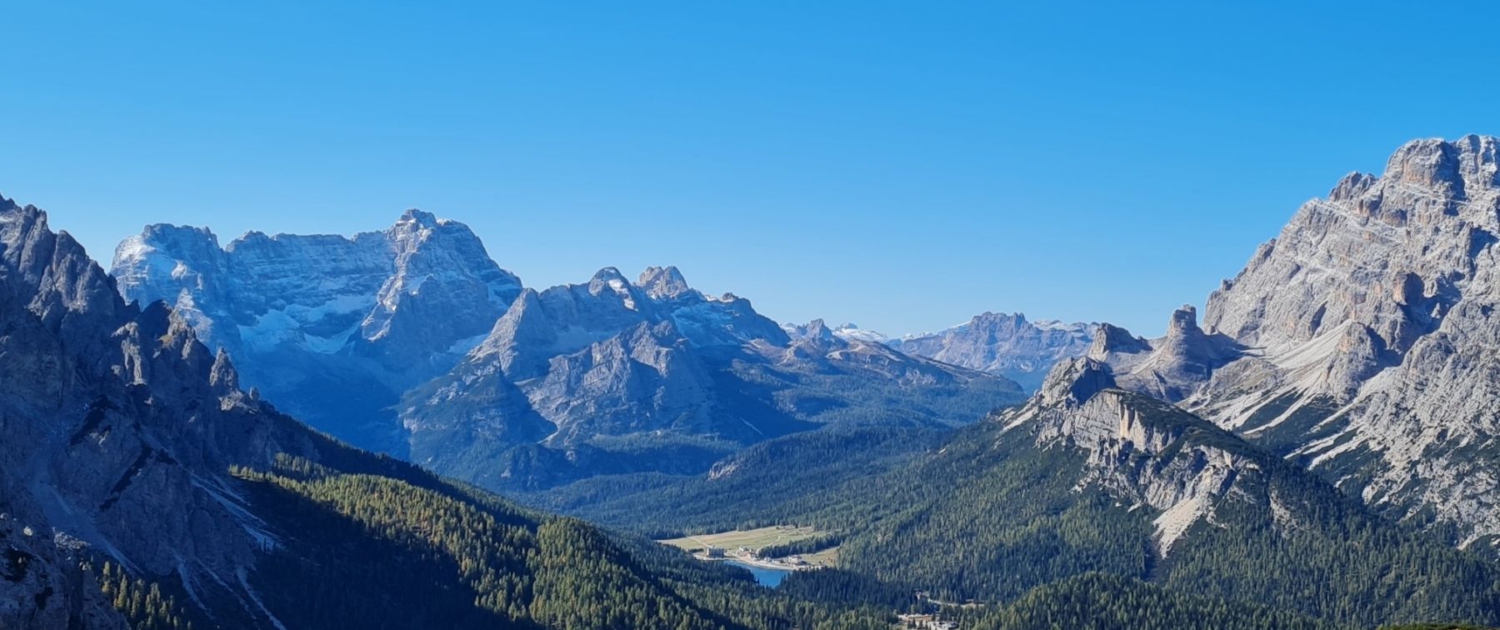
(900, 165)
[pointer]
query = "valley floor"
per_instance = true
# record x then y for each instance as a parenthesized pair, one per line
(745, 546)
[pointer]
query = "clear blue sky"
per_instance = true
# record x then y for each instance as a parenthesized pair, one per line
(902, 165)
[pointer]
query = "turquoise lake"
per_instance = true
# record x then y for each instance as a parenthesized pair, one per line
(766, 577)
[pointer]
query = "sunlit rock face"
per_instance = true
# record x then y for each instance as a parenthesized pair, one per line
(1364, 340)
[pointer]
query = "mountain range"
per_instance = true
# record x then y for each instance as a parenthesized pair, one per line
(329, 328)
(141, 487)
(1351, 358)
(1318, 452)
(413, 342)
(1004, 344)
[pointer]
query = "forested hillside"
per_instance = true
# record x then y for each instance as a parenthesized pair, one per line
(1098, 601)
(1026, 500)
(397, 548)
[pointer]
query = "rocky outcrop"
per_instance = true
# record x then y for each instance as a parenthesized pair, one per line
(1143, 451)
(1170, 368)
(333, 329)
(1365, 339)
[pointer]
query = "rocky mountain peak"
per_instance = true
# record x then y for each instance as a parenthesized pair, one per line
(663, 283)
(1139, 449)
(991, 319)
(1170, 367)
(1074, 382)
(139, 254)
(816, 330)
(61, 283)
(525, 326)
(417, 218)
(1110, 340)
(607, 278)
(7, 204)
(609, 281)
(1449, 168)
(849, 331)
(178, 236)
(1352, 186)
(1184, 322)
(223, 375)
(442, 272)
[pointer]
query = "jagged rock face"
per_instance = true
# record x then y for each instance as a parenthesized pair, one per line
(330, 328)
(445, 290)
(1368, 338)
(663, 283)
(1003, 344)
(1142, 450)
(608, 370)
(112, 417)
(644, 379)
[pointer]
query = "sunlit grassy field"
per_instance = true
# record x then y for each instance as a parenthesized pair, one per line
(754, 539)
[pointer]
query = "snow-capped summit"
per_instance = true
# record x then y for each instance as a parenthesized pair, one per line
(417, 217)
(353, 319)
(850, 331)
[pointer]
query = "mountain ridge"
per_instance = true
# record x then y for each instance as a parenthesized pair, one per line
(140, 488)
(513, 386)
(606, 368)
(308, 316)
(1007, 344)
(1356, 342)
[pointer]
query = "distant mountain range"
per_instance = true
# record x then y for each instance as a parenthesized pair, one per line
(1008, 345)
(412, 341)
(996, 343)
